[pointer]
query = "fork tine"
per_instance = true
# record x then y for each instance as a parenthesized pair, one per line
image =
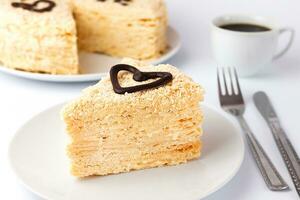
(231, 81)
(219, 82)
(237, 82)
(224, 80)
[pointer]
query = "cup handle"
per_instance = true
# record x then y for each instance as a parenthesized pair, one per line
(289, 44)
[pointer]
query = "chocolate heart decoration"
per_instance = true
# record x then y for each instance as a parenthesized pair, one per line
(164, 78)
(35, 6)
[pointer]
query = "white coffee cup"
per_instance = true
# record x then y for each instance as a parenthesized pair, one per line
(248, 52)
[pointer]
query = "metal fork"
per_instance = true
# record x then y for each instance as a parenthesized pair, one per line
(233, 103)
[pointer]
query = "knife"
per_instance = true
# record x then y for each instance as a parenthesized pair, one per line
(284, 145)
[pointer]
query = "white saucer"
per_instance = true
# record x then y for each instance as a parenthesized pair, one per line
(96, 65)
(37, 156)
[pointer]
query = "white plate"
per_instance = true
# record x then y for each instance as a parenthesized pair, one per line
(95, 66)
(37, 156)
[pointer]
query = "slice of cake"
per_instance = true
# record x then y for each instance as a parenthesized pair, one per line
(38, 36)
(122, 28)
(127, 122)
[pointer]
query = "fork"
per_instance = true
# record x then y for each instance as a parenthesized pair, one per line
(232, 101)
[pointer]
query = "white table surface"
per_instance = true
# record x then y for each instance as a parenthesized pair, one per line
(20, 99)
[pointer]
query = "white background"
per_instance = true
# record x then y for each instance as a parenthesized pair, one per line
(20, 99)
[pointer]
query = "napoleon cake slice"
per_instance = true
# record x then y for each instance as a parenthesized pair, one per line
(123, 28)
(118, 132)
(38, 36)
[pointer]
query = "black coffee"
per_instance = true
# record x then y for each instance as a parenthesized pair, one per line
(245, 27)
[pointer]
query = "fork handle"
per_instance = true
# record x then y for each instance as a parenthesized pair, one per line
(270, 174)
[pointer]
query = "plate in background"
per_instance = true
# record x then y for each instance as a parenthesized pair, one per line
(37, 155)
(96, 65)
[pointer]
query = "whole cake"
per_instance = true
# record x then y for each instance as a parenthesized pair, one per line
(129, 122)
(124, 28)
(41, 35)
(38, 36)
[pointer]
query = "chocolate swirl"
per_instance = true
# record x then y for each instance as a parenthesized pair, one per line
(122, 2)
(163, 79)
(35, 6)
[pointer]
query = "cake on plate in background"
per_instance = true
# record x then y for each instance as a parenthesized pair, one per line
(127, 122)
(38, 36)
(41, 35)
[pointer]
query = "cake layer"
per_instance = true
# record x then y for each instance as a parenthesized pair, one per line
(114, 164)
(136, 30)
(98, 148)
(81, 124)
(43, 42)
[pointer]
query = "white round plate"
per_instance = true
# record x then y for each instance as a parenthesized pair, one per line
(38, 157)
(95, 66)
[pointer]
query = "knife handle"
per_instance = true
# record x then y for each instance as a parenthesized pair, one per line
(270, 174)
(287, 151)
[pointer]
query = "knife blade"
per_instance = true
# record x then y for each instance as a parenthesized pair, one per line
(284, 145)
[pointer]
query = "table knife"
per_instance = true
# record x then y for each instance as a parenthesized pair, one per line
(284, 145)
